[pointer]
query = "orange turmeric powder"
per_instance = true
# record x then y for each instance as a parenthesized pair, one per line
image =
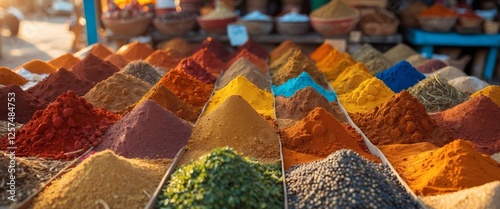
(333, 64)
(8, 77)
(438, 10)
(321, 52)
(39, 67)
(66, 61)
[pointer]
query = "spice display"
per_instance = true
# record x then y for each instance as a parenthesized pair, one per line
(436, 94)
(66, 128)
(236, 124)
(449, 73)
(254, 48)
(25, 104)
(39, 67)
(428, 173)
(351, 78)
(245, 68)
(320, 134)
(64, 61)
(94, 69)
(370, 94)
(219, 13)
(401, 76)
(374, 60)
(439, 10)
(290, 87)
(476, 120)
(148, 131)
(122, 183)
(417, 60)
(100, 51)
(215, 47)
(468, 84)
(345, 179)
(177, 44)
(31, 175)
(194, 69)
(209, 61)
(334, 9)
(283, 59)
(321, 52)
(400, 120)
(301, 103)
(214, 177)
(485, 196)
(295, 65)
(117, 60)
(56, 84)
(117, 92)
(261, 64)
(492, 92)
(135, 51)
(334, 63)
(164, 59)
(281, 49)
(142, 70)
(260, 100)
(431, 65)
(399, 52)
(8, 77)
(189, 89)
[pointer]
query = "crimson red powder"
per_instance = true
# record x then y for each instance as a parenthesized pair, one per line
(254, 48)
(25, 104)
(64, 130)
(56, 84)
(94, 69)
(194, 69)
(215, 47)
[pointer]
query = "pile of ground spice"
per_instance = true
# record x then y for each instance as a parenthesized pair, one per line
(117, 92)
(438, 10)
(291, 158)
(399, 52)
(400, 120)
(282, 60)
(401, 76)
(320, 134)
(334, 9)
(177, 44)
(254, 48)
(60, 82)
(64, 130)
(135, 51)
(235, 124)
(431, 65)
(148, 131)
(281, 49)
(370, 94)
(321, 52)
(261, 64)
(25, 104)
(215, 47)
(416, 60)
(295, 65)
(448, 73)
(245, 68)
(300, 104)
(100, 51)
(142, 70)
(94, 69)
(476, 120)
(290, 87)
(164, 59)
(261, 100)
(168, 100)
(485, 196)
(117, 60)
(193, 68)
(189, 89)
(436, 94)
(451, 168)
(374, 60)
(351, 78)
(209, 61)
(9, 77)
(468, 84)
(334, 63)
(492, 92)
(39, 67)
(64, 61)
(122, 183)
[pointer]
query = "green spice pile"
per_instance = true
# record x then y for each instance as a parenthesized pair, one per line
(224, 179)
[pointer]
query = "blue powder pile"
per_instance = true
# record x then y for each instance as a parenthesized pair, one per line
(290, 87)
(400, 76)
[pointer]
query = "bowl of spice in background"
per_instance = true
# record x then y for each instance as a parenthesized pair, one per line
(217, 20)
(334, 18)
(437, 18)
(293, 23)
(133, 20)
(470, 19)
(257, 23)
(175, 23)
(381, 22)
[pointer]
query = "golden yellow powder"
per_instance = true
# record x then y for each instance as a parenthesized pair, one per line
(39, 67)
(334, 64)
(261, 100)
(493, 92)
(351, 78)
(369, 94)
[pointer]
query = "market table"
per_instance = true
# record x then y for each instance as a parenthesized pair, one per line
(427, 40)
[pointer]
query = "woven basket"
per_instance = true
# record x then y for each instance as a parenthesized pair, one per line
(127, 27)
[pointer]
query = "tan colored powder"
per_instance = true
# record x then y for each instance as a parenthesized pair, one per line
(135, 51)
(372, 58)
(282, 60)
(295, 65)
(399, 52)
(480, 197)
(117, 60)
(100, 51)
(334, 9)
(281, 49)
(177, 44)
(164, 59)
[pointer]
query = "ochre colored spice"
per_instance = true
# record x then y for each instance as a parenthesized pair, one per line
(100, 51)
(291, 158)
(281, 49)
(209, 61)
(39, 67)
(64, 61)
(438, 9)
(135, 51)
(261, 64)
(177, 44)
(189, 89)
(295, 65)
(321, 52)
(8, 77)
(351, 78)
(334, 63)
(366, 97)
(492, 92)
(164, 59)
(117, 60)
